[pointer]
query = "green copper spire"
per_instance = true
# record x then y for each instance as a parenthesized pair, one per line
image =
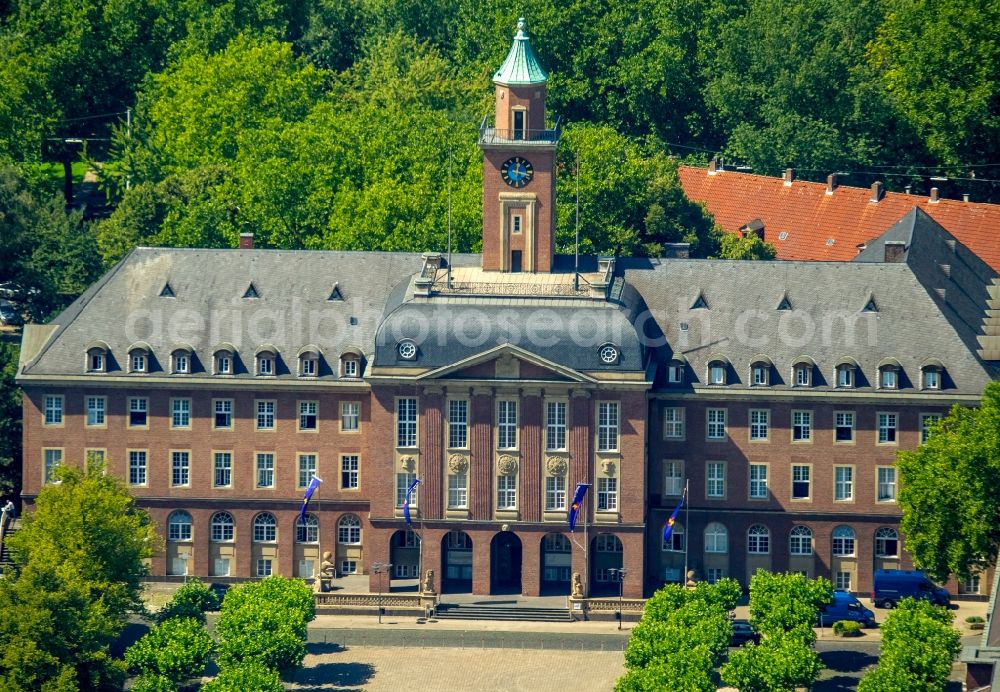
(521, 66)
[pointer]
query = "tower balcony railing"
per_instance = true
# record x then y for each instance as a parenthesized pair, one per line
(493, 135)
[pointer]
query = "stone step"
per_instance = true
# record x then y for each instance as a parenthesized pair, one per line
(524, 614)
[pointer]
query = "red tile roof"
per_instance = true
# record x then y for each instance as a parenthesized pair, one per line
(812, 218)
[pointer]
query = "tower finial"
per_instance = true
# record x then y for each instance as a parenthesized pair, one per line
(521, 27)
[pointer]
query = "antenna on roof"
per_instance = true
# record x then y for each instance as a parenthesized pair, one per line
(449, 216)
(576, 251)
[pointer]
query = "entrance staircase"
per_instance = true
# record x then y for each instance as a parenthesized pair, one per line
(501, 613)
(5, 560)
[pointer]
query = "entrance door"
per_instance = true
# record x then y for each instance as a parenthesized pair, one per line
(505, 563)
(518, 124)
(515, 260)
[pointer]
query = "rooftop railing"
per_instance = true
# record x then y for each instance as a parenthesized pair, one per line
(493, 135)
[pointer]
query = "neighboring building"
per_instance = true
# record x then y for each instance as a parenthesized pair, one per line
(813, 221)
(217, 382)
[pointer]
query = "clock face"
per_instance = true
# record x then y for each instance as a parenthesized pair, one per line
(517, 171)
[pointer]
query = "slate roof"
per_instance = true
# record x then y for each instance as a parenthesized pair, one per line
(811, 218)
(742, 322)
(521, 66)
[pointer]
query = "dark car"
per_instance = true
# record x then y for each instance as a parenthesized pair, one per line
(9, 315)
(743, 633)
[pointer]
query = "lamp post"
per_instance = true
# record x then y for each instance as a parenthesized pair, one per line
(621, 572)
(380, 568)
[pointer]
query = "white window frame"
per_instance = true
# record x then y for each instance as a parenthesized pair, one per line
(845, 377)
(458, 423)
(802, 374)
(888, 428)
(403, 481)
(716, 539)
(844, 420)
(802, 426)
(308, 466)
(264, 463)
(138, 467)
(845, 544)
(138, 361)
(555, 426)
(407, 414)
(180, 468)
(673, 478)
(180, 413)
(759, 429)
(265, 364)
(350, 416)
(309, 412)
(52, 458)
(759, 542)
(673, 423)
(265, 415)
(608, 426)
(886, 483)
(715, 480)
(350, 471)
(181, 362)
(138, 404)
(759, 375)
(930, 379)
(801, 470)
(716, 373)
(352, 368)
(54, 408)
(926, 420)
(607, 494)
(222, 463)
(507, 492)
(97, 412)
(843, 483)
(716, 429)
(555, 493)
(458, 490)
(222, 407)
(757, 482)
(507, 424)
(800, 541)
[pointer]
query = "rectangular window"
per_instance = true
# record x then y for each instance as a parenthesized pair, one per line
(458, 424)
(760, 423)
(715, 479)
(675, 373)
(716, 374)
(843, 488)
(138, 467)
(887, 378)
(350, 368)
(349, 466)
(932, 379)
(180, 413)
(887, 428)
(555, 493)
(507, 492)
(96, 362)
(607, 494)
(307, 366)
(760, 375)
(350, 416)
(265, 365)
(348, 566)
(180, 363)
(265, 469)
(406, 423)
(223, 469)
(458, 491)
(714, 574)
(802, 375)
(801, 489)
(307, 469)
(843, 581)
(264, 567)
(223, 414)
(927, 421)
(673, 478)
(138, 412)
(180, 468)
(716, 419)
(844, 426)
(607, 426)
(845, 376)
(95, 410)
(308, 415)
(94, 456)
(886, 483)
(506, 425)
(403, 481)
(53, 459)
(220, 567)
(758, 481)
(555, 425)
(265, 415)
(673, 423)
(54, 409)
(802, 424)
(223, 365)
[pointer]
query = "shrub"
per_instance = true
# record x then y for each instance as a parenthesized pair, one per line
(177, 649)
(249, 676)
(190, 601)
(151, 682)
(847, 628)
(975, 620)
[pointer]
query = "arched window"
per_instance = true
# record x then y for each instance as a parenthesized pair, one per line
(800, 541)
(930, 375)
(843, 541)
(760, 371)
(845, 375)
(349, 530)
(222, 526)
(716, 538)
(97, 359)
(758, 540)
(307, 531)
(138, 359)
(608, 543)
(180, 361)
(717, 371)
(676, 542)
(888, 374)
(179, 526)
(265, 528)
(557, 543)
(886, 542)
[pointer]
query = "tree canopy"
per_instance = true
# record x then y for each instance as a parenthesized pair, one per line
(950, 491)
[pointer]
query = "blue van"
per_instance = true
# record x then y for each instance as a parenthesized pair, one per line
(844, 606)
(891, 585)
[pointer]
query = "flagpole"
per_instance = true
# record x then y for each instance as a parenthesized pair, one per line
(586, 550)
(687, 530)
(318, 569)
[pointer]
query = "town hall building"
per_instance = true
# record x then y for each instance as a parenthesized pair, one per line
(217, 382)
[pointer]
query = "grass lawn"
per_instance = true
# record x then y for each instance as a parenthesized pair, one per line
(55, 171)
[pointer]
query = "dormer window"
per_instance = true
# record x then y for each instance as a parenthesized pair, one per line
(845, 375)
(307, 368)
(182, 362)
(888, 374)
(802, 372)
(265, 364)
(351, 367)
(930, 376)
(309, 361)
(675, 372)
(760, 372)
(717, 371)
(407, 350)
(138, 358)
(223, 363)
(608, 354)
(97, 360)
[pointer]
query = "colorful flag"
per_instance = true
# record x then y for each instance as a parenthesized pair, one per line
(668, 528)
(574, 509)
(313, 484)
(406, 505)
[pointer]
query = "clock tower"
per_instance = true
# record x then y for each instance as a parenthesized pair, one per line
(519, 182)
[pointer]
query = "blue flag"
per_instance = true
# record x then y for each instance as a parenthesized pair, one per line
(574, 509)
(313, 484)
(668, 528)
(406, 505)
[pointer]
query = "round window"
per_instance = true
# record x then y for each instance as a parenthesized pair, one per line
(407, 350)
(609, 354)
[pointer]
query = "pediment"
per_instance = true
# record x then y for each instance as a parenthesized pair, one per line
(506, 362)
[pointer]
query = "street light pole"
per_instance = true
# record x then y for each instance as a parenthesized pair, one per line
(379, 568)
(621, 591)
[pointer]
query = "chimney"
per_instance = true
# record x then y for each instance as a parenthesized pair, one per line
(934, 195)
(713, 166)
(676, 250)
(788, 177)
(862, 247)
(876, 192)
(894, 251)
(755, 227)
(965, 196)
(831, 183)
(908, 188)
(246, 241)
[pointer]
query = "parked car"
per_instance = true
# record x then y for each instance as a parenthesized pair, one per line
(844, 606)
(9, 314)
(891, 585)
(743, 633)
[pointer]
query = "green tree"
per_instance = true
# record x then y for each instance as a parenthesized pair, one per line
(266, 622)
(919, 645)
(732, 246)
(177, 649)
(782, 662)
(191, 600)
(10, 421)
(151, 682)
(787, 603)
(948, 491)
(249, 676)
